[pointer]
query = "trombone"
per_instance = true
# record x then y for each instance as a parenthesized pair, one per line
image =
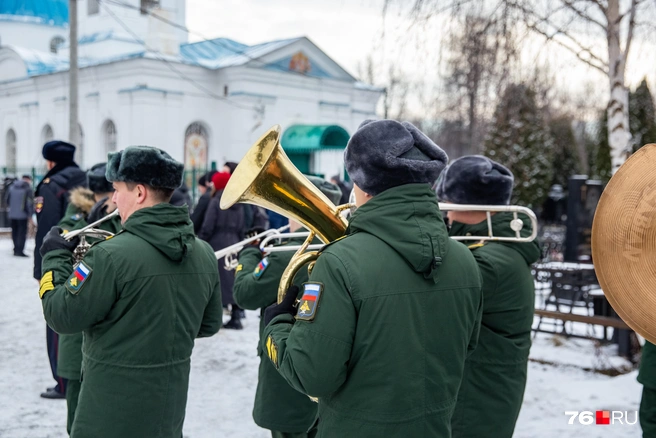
(230, 252)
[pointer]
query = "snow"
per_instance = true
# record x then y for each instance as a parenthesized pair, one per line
(224, 376)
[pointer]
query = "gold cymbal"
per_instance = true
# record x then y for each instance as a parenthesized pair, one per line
(624, 242)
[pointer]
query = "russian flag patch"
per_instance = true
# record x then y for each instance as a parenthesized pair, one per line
(80, 274)
(259, 269)
(307, 307)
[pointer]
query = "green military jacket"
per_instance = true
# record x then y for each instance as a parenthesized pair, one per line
(492, 389)
(385, 323)
(278, 406)
(141, 298)
(647, 374)
(69, 355)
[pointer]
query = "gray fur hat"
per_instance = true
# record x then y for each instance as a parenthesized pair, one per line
(329, 189)
(385, 153)
(144, 165)
(96, 180)
(475, 179)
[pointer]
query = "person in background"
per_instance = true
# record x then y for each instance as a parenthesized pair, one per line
(278, 407)
(647, 376)
(492, 387)
(255, 218)
(222, 228)
(21, 206)
(205, 188)
(346, 190)
(181, 196)
(50, 204)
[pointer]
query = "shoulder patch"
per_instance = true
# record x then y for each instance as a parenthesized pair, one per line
(80, 274)
(239, 268)
(46, 284)
(476, 245)
(307, 307)
(38, 204)
(272, 351)
(259, 269)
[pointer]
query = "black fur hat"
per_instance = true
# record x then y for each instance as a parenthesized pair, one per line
(475, 179)
(329, 189)
(385, 153)
(58, 151)
(96, 180)
(145, 165)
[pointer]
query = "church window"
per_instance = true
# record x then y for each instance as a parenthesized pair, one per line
(10, 151)
(92, 7)
(47, 134)
(148, 4)
(55, 42)
(109, 136)
(196, 146)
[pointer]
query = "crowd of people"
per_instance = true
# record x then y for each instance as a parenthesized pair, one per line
(397, 329)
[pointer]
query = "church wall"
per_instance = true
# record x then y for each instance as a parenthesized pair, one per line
(30, 35)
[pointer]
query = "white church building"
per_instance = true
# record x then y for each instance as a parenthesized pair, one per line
(142, 82)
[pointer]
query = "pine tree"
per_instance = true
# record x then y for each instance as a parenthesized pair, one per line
(599, 151)
(520, 140)
(565, 161)
(642, 116)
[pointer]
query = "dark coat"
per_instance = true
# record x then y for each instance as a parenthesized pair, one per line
(19, 200)
(51, 200)
(222, 228)
(277, 405)
(492, 388)
(144, 298)
(198, 215)
(399, 311)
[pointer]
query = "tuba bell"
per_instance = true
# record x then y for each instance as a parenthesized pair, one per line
(267, 178)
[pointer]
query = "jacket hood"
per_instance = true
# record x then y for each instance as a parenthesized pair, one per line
(69, 177)
(167, 227)
(20, 184)
(82, 198)
(501, 227)
(408, 219)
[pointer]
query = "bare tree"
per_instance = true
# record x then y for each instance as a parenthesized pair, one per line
(396, 83)
(575, 26)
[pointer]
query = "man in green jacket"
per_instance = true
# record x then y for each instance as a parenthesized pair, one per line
(87, 205)
(647, 376)
(493, 385)
(392, 310)
(141, 298)
(278, 407)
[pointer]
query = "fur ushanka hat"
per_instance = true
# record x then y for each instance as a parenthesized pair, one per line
(58, 151)
(330, 190)
(475, 179)
(385, 153)
(144, 165)
(96, 180)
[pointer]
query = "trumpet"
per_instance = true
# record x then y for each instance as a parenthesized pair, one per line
(89, 231)
(230, 252)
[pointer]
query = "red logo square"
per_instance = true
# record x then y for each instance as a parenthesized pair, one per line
(603, 417)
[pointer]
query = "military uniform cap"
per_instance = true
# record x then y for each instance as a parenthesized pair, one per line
(145, 165)
(58, 151)
(96, 179)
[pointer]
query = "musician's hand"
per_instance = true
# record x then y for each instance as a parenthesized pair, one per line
(54, 240)
(288, 305)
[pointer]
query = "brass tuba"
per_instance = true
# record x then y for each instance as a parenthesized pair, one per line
(266, 177)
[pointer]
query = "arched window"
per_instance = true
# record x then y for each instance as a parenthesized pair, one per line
(10, 151)
(109, 136)
(47, 134)
(79, 149)
(55, 42)
(195, 146)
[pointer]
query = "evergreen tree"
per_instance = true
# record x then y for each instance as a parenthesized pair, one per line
(520, 140)
(642, 116)
(599, 151)
(566, 160)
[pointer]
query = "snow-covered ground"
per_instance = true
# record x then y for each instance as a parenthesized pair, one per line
(224, 376)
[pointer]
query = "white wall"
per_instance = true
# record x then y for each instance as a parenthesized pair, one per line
(29, 35)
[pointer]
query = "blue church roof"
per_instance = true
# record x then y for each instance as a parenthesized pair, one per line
(50, 12)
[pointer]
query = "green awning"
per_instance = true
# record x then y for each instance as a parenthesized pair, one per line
(311, 138)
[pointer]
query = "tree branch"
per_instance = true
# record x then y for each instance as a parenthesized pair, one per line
(629, 38)
(584, 15)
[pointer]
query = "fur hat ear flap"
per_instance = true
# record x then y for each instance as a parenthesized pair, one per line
(145, 165)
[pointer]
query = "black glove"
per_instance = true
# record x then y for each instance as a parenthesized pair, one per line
(98, 211)
(288, 305)
(54, 240)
